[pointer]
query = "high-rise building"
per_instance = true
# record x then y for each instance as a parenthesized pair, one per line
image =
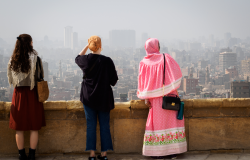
(227, 37)
(1, 61)
(67, 36)
(74, 40)
(226, 60)
(122, 38)
(46, 70)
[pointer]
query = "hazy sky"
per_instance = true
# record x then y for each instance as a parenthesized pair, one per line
(163, 19)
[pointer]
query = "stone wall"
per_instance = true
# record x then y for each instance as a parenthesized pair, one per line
(211, 125)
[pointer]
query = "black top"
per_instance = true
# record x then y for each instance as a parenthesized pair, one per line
(96, 91)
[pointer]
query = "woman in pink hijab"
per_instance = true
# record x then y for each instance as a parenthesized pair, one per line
(164, 134)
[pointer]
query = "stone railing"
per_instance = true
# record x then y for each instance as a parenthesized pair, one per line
(211, 125)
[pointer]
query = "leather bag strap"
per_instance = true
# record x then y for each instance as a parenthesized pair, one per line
(40, 67)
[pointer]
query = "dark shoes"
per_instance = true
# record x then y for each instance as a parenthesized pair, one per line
(22, 155)
(157, 157)
(92, 158)
(173, 156)
(102, 158)
(32, 153)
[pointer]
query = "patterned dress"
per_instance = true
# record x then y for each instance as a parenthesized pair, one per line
(164, 134)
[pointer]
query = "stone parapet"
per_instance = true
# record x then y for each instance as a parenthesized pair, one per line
(211, 124)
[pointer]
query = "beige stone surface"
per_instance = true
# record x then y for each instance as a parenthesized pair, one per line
(223, 157)
(7, 139)
(138, 104)
(206, 112)
(55, 105)
(236, 102)
(2, 107)
(3, 116)
(219, 133)
(188, 103)
(185, 156)
(213, 102)
(62, 136)
(56, 114)
(227, 151)
(244, 157)
(122, 105)
(120, 113)
(129, 135)
(7, 106)
(76, 114)
(76, 105)
(234, 111)
(139, 113)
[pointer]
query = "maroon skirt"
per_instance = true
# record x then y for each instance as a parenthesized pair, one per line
(26, 113)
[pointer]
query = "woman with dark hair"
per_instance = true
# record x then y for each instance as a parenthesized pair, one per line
(97, 95)
(27, 113)
(164, 133)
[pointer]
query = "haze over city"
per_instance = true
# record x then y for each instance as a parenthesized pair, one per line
(210, 40)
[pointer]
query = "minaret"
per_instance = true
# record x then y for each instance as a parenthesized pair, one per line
(207, 80)
(60, 70)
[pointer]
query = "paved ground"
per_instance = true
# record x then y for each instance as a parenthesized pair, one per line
(187, 156)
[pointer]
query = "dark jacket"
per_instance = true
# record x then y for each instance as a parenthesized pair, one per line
(96, 91)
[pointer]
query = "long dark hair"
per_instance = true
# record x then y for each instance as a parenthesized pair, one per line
(20, 58)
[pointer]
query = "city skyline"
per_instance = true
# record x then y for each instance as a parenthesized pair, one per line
(162, 19)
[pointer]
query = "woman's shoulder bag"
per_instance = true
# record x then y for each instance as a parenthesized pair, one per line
(42, 86)
(169, 103)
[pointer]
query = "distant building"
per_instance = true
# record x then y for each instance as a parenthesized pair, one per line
(202, 64)
(202, 77)
(232, 71)
(245, 68)
(122, 39)
(67, 36)
(189, 84)
(123, 97)
(227, 37)
(240, 89)
(1, 61)
(74, 40)
(226, 60)
(194, 46)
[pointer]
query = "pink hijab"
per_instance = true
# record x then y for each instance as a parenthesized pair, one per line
(150, 79)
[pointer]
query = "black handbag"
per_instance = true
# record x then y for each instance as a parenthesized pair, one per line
(169, 103)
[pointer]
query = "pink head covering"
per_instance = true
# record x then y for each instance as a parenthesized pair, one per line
(152, 46)
(150, 79)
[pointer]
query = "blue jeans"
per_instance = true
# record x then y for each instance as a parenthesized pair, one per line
(91, 117)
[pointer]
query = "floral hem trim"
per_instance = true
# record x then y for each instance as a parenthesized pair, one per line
(165, 137)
